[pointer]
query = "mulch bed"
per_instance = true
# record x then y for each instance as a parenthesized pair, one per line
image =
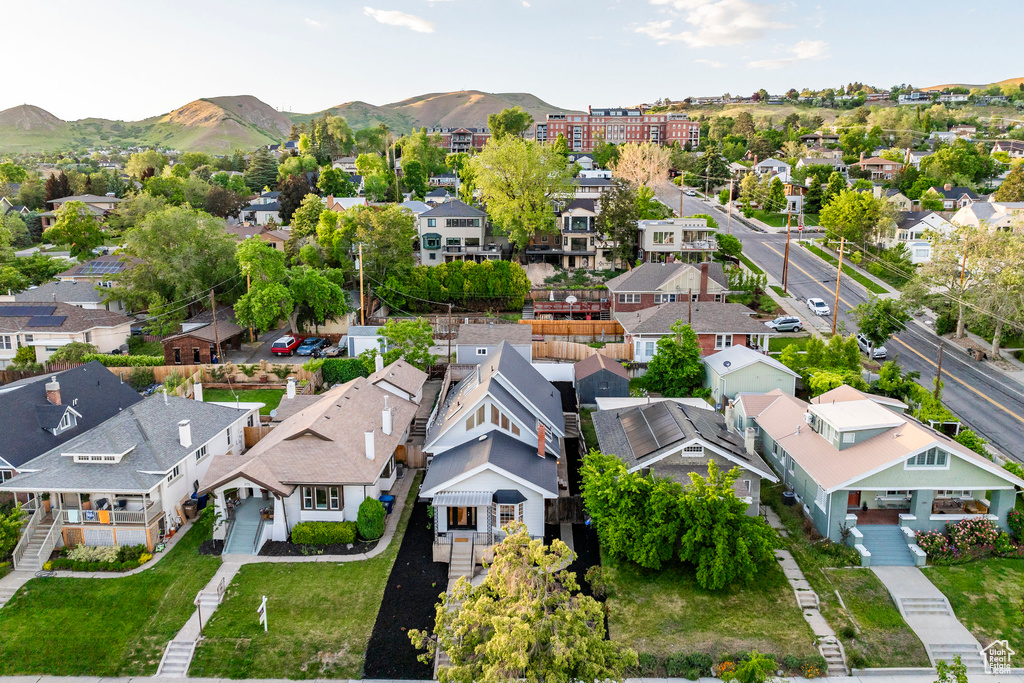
(410, 599)
(211, 547)
(288, 549)
(567, 392)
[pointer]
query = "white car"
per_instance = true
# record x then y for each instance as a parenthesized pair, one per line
(690, 193)
(818, 306)
(877, 353)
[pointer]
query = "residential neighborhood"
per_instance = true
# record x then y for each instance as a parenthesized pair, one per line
(562, 380)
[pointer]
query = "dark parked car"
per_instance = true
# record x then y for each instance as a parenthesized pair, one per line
(311, 345)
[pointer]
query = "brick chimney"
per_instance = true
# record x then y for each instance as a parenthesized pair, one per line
(947, 187)
(704, 278)
(862, 157)
(541, 450)
(53, 391)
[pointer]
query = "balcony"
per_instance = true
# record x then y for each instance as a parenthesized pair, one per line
(122, 512)
(471, 249)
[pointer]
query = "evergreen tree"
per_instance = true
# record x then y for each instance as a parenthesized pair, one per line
(836, 184)
(293, 191)
(812, 200)
(712, 168)
(1012, 189)
(261, 171)
(58, 185)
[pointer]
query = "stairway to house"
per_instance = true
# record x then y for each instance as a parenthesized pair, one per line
(528, 311)
(832, 650)
(419, 427)
(31, 562)
(887, 545)
(925, 607)
(177, 658)
(606, 314)
(462, 560)
(242, 536)
(970, 655)
(572, 425)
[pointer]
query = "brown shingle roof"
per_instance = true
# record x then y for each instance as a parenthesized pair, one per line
(402, 375)
(588, 366)
(76, 319)
(706, 318)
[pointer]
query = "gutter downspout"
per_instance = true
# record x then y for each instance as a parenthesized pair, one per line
(284, 512)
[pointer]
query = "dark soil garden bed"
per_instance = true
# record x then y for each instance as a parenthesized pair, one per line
(409, 602)
(289, 549)
(211, 547)
(567, 392)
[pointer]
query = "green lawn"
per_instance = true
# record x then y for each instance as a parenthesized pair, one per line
(776, 344)
(871, 285)
(665, 612)
(138, 347)
(986, 596)
(587, 427)
(104, 627)
(320, 616)
(270, 397)
(778, 220)
(778, 290)
(751, 265)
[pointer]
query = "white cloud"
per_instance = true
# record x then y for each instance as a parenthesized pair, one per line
(313, 23)
(526, 4)
(714, 64)
(396, 18)
(797, 52)
(714, 22)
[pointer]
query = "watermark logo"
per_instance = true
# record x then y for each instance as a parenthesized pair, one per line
(997, 657)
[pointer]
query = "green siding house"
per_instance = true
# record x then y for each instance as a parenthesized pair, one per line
(741, 370)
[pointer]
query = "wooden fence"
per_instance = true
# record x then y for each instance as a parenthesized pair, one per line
(562, 294)
(576, 328)
(254, 434)
(564, 350)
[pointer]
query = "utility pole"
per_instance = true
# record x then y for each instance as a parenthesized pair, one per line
(938, 373)
(216, 332)
(682, 194)
(449, 333)
(728, 225)
(839, 277)
(785, 263)
(248, 288)
(362, 305)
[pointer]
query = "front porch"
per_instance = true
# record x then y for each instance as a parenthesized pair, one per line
(925, 509)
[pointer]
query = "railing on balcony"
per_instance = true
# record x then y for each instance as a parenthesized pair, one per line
(50, 542)
(33, 522)
(113, 517)
(470, 249)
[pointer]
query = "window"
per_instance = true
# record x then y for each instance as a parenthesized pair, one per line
(195, 356)
(454, 241)
(322, 498)
(5, 342)
(28, 339)
(650, 348)
(718, 297)
(629, 298)
(509, 513)
(897, 493)
(602, 386)
(933, 457)
(849, 437)
(481, 351)
(494, 415)
(175, 473)
(819, 499)
(664, 298)
(5, 475)
(953, 493)
(694, 448)
(201, 453)
(177, 356)
(723, 341)
(389, 468)
(470, 422)
(664, 238)
(431, 222)
(515, 429)
(481, 415)
(432, 256)
(462, 222)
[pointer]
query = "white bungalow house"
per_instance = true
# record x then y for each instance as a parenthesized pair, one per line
(316, 466)
(912, 230)
(493, 447)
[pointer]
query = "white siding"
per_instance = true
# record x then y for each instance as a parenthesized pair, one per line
(458, 435)
(488, 480)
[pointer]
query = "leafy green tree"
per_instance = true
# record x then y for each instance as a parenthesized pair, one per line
(414, 178)
(268, 299)
(334, 183)
(776, 200)
(407, 339)
(518, 181)
(307, 216)
(376, 187)
(143, 164)
(10, 529)
(836, 186)
(73, 352)
(10, 172)
(880, 319)
(294, 189)
(490, 285)
(425, 149)
(169, 188)
(58, 185)
(1012, 189)
(970, 439)
(744, 124)
(386, 235)
(317, 295)
(370, 165)
(515, 122)
(677, 369)
(560, 145)
(894, 383)
(648, 207)
(261, 171)
(729, 245)
(961, 160)
(300, 165)
(32, 193)
(712, 168)
(24, 359)
(617, 221)
(11, 279)
(860, 217)
(15, 226)
(814, 196)
(525, 621)
(605, 154)
(77, 227)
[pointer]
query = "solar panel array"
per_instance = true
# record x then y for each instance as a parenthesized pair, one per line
(22, 311)
(47, 320)
(650, 428)
(100, 268)
(713, 432)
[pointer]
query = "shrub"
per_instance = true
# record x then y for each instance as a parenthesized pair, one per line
(341, 370)
(371, 519)
(648, 664)
(1003, 545)
(85, 553)
(972, 532)
(140, 378)
(790, 662)
(848, 632)
(112, 361)
(1015, 520)
(130, 553)
(931, 542)
(691, 666)
(597, 577)
(324, 533)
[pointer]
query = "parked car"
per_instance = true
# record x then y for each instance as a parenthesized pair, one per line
(818, 306)
(285, 346)
(865, 346)
(689, 193)
(786, 323)
(333, 351)
(311, 345)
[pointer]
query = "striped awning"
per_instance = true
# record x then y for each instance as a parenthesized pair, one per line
(462, 499)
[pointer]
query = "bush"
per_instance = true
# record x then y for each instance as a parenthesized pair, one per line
(130, 553)
(648, 664)
(371, 519)
(112, 361)
(324, 533)
(945, 323)
(691, 666)
(597, 577)
(86, 553)
(73, 352)
(140, 378)
(341, 370)
(972, 532)
(1015, 520)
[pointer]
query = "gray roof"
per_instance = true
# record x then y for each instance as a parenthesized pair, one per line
(909, 219)
(499, 450)
(648, 277)
(364, 331)
(85, 198)
(60, 317)
(64, 291)
(491, 334)
(148, 430)
(592, 182)
(453, 209)
(415, 206)
(704, 317)
(737, 357)
(954, 192)
(270, 206)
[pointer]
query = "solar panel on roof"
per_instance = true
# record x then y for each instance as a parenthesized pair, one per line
(22, 311)
(47, 320)
(650, 428)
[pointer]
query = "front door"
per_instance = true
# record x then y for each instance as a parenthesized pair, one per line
(462, 518)
(853, 501)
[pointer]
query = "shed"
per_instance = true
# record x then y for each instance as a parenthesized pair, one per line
(600, 376)
(476, 341)
(363, 338)
(739, 370)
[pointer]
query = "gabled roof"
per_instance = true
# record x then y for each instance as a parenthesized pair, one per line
(736, 358)
(490, 334)
(56, 317)
(911, 218)
(596, 363)
(269, 206)
(455, 208)
(439, 192)
(211, 332)
(586, 203)
(875, 161)
(704, 317)
(648, 277)
(402, 375)
(772, 163)
(845, 393)
(63, 291)
(954, 192)
(86, 198)
(496, 451)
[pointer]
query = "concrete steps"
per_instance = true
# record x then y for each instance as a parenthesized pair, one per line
(970, 655)
(176, 660)
(462, 561)
(887, 545)
(243, 536)
(925, 607)
(807, 599)
(832, 650)
(528, 313)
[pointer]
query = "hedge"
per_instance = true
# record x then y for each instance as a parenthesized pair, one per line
(371, 519)
(323, 533)
(341, 370)
(112, 361)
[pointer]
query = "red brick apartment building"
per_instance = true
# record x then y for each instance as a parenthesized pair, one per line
(586, 131)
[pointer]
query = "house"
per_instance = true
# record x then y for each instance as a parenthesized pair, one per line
(318, 465)
(47, 327)
(852, 461)
(772, 167)
(591, 188)
(963, 130)
(346, 164)
(892, 195)
(43, 412)
(364, 338)
(672, 440)
(577, 243)
(443, 180)
(822, 152)
(340, 204)
(878, 168)
(127, 480)
(994, 215)
(836, 162)
(493, 448)
(399, 378)
(196, 344)
(952, 197)
(718, 326)
(689, 239)
(275, 238)
(102, 270)
(738, 369)
(476, 341)
(261, 213)
(96, 205)
(600, 376)
(653, 284)
(81, 294)
(437, 196)
(914, 98)
(820, 139)
(1014, 148)
(915, 157)
(7, 206)
(456, 231)
(911, 230)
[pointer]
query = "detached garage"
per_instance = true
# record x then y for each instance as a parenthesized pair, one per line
(600, 376)
(738, 370)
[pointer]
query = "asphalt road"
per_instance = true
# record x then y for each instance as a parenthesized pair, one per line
(985, 400)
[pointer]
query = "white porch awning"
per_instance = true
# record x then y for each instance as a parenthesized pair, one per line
(462, 499)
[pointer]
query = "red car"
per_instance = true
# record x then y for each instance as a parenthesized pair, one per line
(285, 346)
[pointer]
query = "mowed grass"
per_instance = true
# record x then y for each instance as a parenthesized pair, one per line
(104, 627)
(777, 344)
(986, 597)
(665, 612)
(867, 282)
(270, 397)
(320, 616)
(881, 636)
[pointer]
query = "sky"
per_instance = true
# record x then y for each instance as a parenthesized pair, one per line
(131, 59)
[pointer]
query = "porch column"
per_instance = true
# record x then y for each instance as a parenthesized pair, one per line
(1002, 502)
(921, 505)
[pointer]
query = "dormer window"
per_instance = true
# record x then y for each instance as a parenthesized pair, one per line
(66, 422)
(933, 457)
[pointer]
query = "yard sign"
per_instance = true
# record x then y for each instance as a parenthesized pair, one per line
(262, 611)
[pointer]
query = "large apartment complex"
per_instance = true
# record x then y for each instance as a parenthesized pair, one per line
(586, 131)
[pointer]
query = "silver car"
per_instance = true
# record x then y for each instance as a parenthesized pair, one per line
(879, 352)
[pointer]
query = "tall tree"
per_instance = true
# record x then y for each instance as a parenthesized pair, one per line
(515, 122)
(744, 124)
(677, 369)
(642, 164)
(261, 171)
(1012, 189)
(57, 186)
(414, 177)
(526, 621)
(334, 183)
(880, 319)
(318, 297)
(813, 198)
(406, 339)
(77, 227)
(712, 168)
(518, 181)
(386, 235)
(268, 299)
(836, 185)
(293, 190)
(617, 222)
(143, 164)
(776, 199)
(860, 217)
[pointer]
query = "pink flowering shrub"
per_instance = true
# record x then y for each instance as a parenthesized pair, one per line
(968, 533)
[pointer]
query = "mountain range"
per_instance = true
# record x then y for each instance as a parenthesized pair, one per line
(219, 125)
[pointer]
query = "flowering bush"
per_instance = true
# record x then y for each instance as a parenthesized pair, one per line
(931, 541)
(972, 532)
(1015, 520)
(725, 669)
(85, 553)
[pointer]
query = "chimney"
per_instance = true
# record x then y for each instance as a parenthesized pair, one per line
(53, 391)
(730, 413)
(165, 395)
(54, 295)
(862, 156)
(291, 388)
(378, 363)
(749, 437)
(369, 445)
(387, 418)
(541, 450)
(185, 433)
(197, 390)
(703, 279)
(947, 187)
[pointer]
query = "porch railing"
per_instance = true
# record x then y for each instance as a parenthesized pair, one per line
(115, 517)
(50, 542)
(33, 522)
